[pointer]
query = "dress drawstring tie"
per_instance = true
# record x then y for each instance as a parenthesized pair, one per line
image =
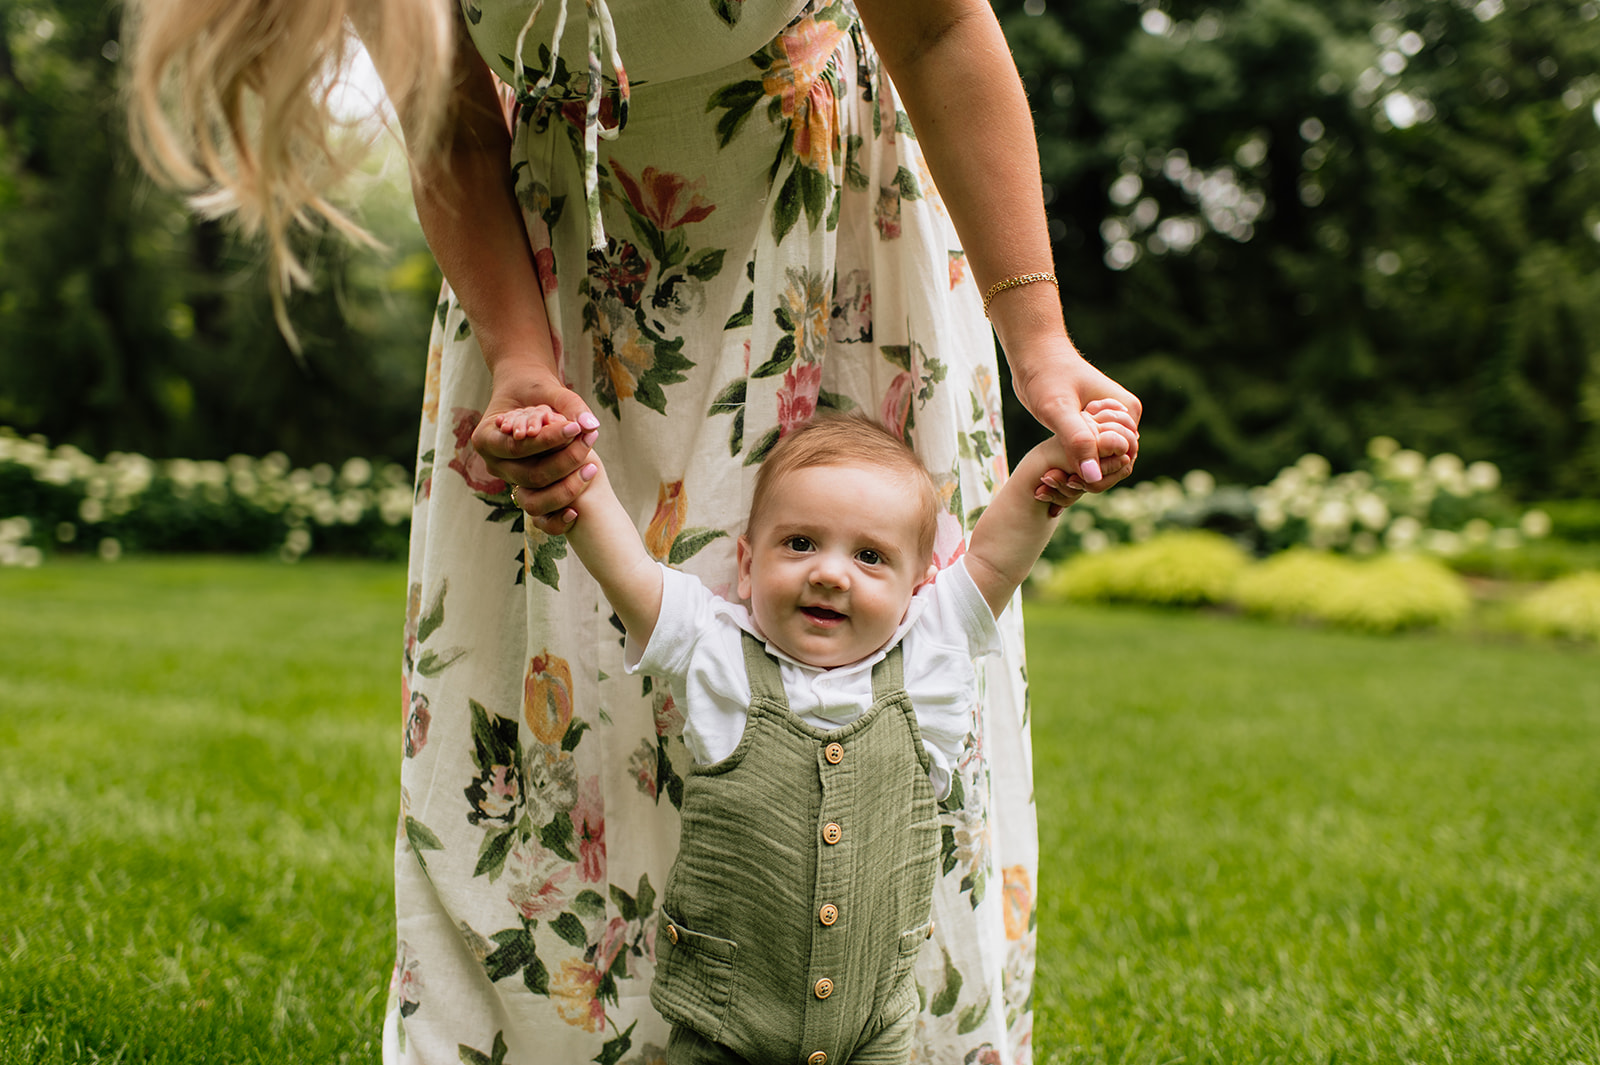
(602, 46)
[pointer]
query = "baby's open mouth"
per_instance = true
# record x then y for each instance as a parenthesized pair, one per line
(821, 613)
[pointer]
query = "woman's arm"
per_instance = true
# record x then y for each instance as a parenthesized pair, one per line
(954, 73)
(469, 213)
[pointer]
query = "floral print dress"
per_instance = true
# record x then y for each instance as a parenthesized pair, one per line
(740, 233)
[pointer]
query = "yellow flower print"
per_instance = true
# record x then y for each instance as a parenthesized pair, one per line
(806, 301)
(430, 387)
(620, 353)
(547, 697)
(672, 509)
(806, 96)
(1017, 901)
(574, 989)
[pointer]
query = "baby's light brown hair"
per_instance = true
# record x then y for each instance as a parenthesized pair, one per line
(853, 439)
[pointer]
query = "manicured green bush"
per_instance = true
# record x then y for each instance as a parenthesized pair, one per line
(1568, 607)
(1379, 595)
(1172, 569)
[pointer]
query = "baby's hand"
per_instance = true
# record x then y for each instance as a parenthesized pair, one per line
(524, 422)
(1118, 438)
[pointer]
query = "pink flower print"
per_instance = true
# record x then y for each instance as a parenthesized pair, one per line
(417, 723)
(669, 719)
(544, 261)
(896, 408)
(948, 542)
(643, 765)
(467, 462)
(797, 397)
(668, 200)
(406, 983)
(613, 941)
(887, 213)
(536, 877)
(589, 822)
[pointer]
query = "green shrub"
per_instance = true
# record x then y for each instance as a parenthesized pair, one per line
(1568, 607)
(1533, 560)
(1574, 519)
(1172, 569)
(1381, 595)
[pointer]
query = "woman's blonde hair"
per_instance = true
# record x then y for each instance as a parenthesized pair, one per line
(229, 101)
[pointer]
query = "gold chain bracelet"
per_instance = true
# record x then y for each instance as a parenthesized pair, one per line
(1016, 282)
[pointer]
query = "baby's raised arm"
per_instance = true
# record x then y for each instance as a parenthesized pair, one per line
(1016, 526)
(602, 535)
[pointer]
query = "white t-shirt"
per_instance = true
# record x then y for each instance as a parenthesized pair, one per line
(697, 648)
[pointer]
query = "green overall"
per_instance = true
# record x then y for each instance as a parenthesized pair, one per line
(803, 886)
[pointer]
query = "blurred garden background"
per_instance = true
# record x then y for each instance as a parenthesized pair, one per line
(1347, 253)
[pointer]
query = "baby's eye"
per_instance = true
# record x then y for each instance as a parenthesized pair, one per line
(869, 557)
(798, 543)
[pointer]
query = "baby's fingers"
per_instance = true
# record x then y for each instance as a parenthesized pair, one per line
(1117, 440)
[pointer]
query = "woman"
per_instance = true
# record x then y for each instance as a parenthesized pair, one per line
(731, 222)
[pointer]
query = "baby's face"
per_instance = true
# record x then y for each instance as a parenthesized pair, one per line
(831, 563)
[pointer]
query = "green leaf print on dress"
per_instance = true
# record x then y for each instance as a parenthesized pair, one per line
(638, 296)
(799, 83)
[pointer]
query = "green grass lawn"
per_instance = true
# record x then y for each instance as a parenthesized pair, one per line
(1259, 843)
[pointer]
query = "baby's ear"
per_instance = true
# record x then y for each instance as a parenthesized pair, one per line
(745, 561)
(928, 575)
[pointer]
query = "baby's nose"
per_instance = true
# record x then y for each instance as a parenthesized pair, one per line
(831, 571)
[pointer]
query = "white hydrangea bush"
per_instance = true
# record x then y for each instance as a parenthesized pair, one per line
(1402, 501)
(61, 499)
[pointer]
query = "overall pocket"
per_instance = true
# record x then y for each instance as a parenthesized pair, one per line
(899, 992)
(694, 977)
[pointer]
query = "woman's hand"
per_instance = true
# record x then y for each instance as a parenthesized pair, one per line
(1060, 388)
(546, 468)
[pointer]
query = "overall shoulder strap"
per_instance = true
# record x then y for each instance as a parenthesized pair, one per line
(888, 676)
(766, 682)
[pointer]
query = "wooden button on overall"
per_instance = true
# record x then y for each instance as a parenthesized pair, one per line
(819, 1058)
(824, 987)
(834, 753)
(829, 914)
(832, 833)
(672, 932)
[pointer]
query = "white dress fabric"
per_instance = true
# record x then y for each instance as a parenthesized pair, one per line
(769, 243)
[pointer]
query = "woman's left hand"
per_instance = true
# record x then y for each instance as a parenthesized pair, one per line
(1058, 387)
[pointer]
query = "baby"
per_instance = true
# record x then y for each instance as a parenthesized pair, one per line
(824, 721)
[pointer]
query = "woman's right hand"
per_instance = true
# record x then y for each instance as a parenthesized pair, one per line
(547, 467)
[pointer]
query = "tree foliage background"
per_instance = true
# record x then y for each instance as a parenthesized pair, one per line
(1289, 225)
(127, 324)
